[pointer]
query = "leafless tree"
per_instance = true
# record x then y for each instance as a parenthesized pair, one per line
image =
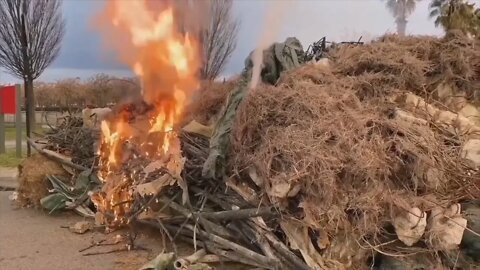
(219, 38)
(30, 35)
(99, 90)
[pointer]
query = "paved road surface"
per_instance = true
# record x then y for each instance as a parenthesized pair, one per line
(8, 178)
(33, 240)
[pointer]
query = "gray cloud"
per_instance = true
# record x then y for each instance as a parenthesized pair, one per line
(82, 46)
(309, 20)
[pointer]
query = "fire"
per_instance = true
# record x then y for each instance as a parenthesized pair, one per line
(166, 61)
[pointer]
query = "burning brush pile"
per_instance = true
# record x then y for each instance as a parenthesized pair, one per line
(369, 159)
(140, 148)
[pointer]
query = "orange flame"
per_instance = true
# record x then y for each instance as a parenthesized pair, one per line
(167, 61)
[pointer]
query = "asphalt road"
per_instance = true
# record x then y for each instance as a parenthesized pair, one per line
(33, 240)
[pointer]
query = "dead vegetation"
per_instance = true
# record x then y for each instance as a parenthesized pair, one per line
(32, 178)
(331, 149)
(71, 138)
(326, 163)
(417, 64)
(208, 101)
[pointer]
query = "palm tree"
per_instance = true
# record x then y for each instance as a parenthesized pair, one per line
(400, 10)
(456, 15)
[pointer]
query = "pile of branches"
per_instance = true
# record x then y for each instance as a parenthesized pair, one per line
(329, 189)
(70, 138)
(323, 163)
(218, 219)
(213, 216)
(340, 156)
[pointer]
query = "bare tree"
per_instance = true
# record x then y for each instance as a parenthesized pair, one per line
(219, 38)
(30, 35)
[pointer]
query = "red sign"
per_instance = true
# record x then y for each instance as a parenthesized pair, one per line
(8, 99)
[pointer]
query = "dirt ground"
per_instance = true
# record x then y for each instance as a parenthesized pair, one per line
(31, 239)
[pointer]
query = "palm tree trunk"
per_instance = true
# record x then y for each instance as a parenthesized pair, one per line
(401, 26)
(402, 17)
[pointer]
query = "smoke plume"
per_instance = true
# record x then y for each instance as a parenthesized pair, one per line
(272, 24)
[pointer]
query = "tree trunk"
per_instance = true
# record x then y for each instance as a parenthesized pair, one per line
(401, 26)
(28, 80)
(29, 110)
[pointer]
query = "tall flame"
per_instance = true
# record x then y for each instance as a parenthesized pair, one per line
(166, 61)
(163, 58)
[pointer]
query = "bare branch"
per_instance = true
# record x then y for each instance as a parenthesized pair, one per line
(219, 38)
(26, 54)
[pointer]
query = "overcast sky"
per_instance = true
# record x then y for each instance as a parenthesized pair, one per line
(340, 20)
